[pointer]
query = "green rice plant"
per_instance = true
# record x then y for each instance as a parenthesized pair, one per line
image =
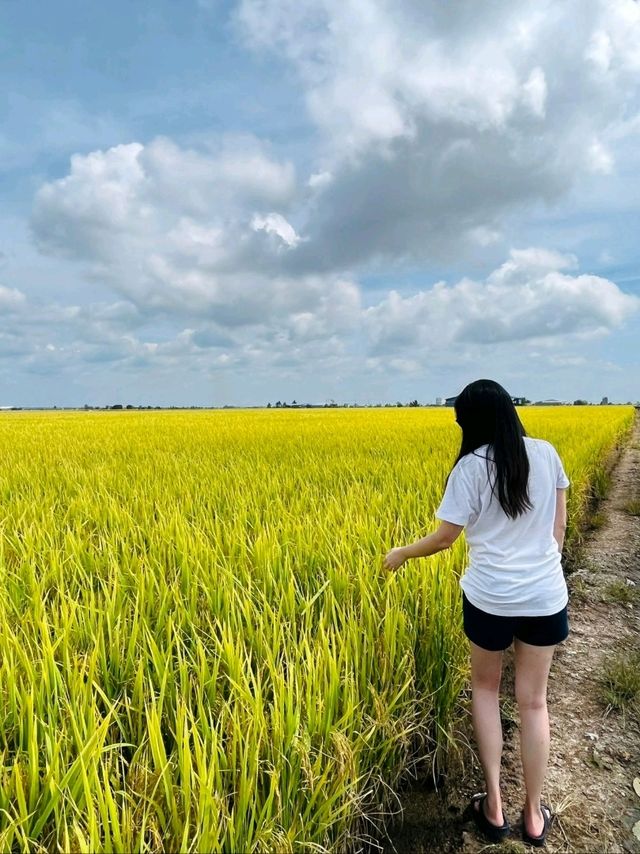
(632, 507)
(199, 649)
(620, 592)
(596, 521)
(620, 680)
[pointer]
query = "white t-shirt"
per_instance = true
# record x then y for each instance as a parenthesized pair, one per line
(514, 564)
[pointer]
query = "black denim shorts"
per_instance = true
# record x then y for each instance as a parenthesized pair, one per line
(493, 632)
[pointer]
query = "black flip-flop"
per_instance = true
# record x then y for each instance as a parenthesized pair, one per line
(490, 830)
(539, 841)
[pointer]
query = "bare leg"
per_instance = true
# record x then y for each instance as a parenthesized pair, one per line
(486, 670)
(532, 671)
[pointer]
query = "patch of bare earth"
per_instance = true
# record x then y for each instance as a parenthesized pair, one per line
(595, 750)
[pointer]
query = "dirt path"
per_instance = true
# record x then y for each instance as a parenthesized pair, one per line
(595, 751)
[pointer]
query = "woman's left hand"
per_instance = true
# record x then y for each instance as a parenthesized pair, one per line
(395, 558)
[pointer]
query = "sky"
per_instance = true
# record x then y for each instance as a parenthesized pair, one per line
(232, 203)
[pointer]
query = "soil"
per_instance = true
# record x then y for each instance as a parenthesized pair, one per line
(595, 749)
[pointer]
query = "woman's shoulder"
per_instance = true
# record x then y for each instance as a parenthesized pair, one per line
(533, 442)
(542, 450)
(477, 457)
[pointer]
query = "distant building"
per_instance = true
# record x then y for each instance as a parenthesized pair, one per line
(450, 401)
(550, 402)
(439, 401)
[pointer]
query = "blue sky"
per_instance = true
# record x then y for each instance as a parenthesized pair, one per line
(232, 203)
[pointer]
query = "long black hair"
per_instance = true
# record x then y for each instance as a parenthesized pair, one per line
(486, 414)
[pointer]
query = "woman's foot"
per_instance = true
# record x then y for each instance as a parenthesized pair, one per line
(494, 831)
(493, 814)
(536, 824)
(533, 821)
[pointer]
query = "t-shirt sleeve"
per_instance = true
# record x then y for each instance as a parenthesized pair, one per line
(459, 501)
(562, 481)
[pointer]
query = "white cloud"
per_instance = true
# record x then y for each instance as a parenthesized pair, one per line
(371, 69)
(275, 223)
(600, 159)
(132, 191)
(435, 122)
(535, 92)
(599, 50)
(319, 179)
(236, 170)
(527, 298)
(530, 310)
(534, 261)
(221, 272)
(11, 299)
(179, 231)
(484, 236)
(441, 119)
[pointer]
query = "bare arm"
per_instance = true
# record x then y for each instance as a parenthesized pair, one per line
(442, 538)
(560, 521)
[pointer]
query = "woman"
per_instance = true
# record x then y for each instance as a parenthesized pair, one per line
(508, 490)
